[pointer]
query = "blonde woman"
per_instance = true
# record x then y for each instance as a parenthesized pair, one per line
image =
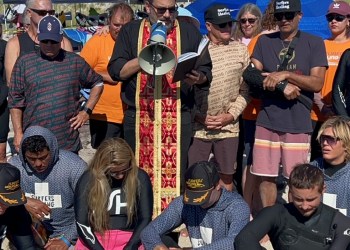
(248, 23)
(113, 199)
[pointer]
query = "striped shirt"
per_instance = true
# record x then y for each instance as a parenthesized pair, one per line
(48, 92)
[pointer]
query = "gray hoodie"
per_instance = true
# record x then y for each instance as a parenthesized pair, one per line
(55, 186)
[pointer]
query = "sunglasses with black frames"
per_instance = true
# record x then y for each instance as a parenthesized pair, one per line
(287, 15)
(162, 10)
(223, 25)
(43, 12)
(339, 18)
(249, 20)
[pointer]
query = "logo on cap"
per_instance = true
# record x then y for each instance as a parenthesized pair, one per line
(49, 26)
(11, 186)
(224, 12)
(195, 183)
(336, 6)
(282, 5)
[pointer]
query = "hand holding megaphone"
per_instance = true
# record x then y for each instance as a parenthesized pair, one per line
(157, 58)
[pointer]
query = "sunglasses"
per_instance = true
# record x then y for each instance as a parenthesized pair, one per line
(121, 172)
(337, 17)
(43, 12)
(249, 20)
(286, 15)
(162, 10)
(223, 25)
(49, 41)
(330, 140)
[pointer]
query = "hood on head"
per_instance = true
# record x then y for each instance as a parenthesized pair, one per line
(49, 137)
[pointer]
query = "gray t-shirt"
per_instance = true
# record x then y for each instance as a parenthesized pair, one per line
(280, 114)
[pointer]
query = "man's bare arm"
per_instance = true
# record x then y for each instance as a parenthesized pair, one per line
(17, 123)
(11, 55)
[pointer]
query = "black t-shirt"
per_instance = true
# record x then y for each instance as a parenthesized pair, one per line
(280, 114)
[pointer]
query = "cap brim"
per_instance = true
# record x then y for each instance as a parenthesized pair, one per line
(13, 199)
(196, 197)
(57, 38)
(223, 20)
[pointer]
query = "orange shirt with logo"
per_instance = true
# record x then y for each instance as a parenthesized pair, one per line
(334, 51)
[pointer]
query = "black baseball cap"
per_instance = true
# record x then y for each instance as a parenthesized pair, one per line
(201, 178)
(218, 14)
(11, 193)
(287, 6)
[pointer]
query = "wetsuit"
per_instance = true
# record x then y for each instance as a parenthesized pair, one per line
(341, 86)
(18, 224)
(327, 229)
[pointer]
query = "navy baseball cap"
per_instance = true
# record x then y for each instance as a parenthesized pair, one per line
(50, 28)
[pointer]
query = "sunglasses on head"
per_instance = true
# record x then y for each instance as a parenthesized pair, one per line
(337, 17)
(223, 25)
(249, 20)
(43, 12)
(330, 140)
(162, 10)
(286, 15)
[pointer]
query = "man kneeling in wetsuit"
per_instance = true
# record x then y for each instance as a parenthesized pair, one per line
(304, 223)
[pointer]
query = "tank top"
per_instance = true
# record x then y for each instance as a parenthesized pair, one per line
(26, 44)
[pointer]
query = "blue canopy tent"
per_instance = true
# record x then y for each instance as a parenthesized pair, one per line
(313, 20)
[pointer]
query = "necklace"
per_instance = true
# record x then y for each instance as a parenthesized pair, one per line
(285, 47)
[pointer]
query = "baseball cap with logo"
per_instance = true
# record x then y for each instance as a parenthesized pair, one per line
(201, 178)
(341, 8)
(50, 28)
(287, 6)
(218, 14)
(10, 189)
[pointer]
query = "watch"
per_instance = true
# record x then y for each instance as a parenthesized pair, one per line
(87, 110)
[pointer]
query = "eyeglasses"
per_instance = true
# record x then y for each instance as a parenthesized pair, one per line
(43, 12)
(223, 25)
(286, 15)
(49, 41)
(249, 20)
(162, 10)
(330, 140)
(337, 17)
(121, 172)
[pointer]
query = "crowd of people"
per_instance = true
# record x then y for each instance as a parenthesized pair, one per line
(168, 153)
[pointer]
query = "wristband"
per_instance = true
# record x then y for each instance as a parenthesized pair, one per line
(65, 240)
(282, 85)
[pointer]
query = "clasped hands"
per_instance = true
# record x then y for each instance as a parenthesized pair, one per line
(271, 80)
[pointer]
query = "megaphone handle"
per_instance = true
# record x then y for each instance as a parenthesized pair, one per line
(154, 65)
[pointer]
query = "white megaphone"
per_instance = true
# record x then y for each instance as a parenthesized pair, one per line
(157, 58)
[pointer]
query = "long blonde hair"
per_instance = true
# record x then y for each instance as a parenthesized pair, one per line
(114, 151)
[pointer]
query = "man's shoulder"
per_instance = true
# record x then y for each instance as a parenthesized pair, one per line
(70, 160)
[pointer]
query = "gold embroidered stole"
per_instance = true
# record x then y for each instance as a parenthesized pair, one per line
(158, 124)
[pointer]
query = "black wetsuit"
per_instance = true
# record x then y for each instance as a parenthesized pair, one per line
(18, 224)
(326, 229)
(341, 86)
(117, 210)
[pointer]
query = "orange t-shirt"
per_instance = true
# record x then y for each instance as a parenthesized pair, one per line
(97, 52)
(253, 107)
(334, 51)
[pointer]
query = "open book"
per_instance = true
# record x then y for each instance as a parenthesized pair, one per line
(190, 60)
